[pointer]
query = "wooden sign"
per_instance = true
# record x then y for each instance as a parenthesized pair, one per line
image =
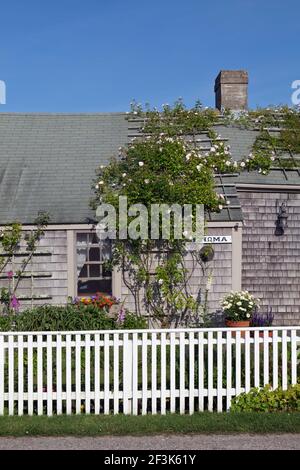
(217, 239)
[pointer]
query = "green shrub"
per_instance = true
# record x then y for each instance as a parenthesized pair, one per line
(133, 322)
(268, 400)
(6, 322)
(67, 318)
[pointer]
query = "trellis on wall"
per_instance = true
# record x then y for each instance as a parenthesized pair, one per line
(32, 292)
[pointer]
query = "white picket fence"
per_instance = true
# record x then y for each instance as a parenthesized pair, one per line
(141, 371)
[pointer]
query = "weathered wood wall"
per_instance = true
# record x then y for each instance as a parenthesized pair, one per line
(48, 283)
(271, 264)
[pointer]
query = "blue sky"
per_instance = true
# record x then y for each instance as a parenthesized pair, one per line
(97, 55)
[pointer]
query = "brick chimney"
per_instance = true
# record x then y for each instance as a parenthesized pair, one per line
(231, 90)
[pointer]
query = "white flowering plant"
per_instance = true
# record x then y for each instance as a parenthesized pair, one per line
(239, 306)
(167, 163)
(269, 148)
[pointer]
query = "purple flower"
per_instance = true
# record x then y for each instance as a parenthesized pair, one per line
(262, 320)
(14, 303)
(121, 315)
(10, 274)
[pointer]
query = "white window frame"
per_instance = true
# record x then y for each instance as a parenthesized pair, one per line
(72, 266)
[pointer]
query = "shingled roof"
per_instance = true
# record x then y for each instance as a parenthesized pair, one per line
(48, 162)
(242, 141)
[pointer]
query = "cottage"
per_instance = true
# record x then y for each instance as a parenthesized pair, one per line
(48, 161)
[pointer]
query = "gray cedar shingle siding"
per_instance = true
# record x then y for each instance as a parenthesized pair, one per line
(54, 265)
(270, 263)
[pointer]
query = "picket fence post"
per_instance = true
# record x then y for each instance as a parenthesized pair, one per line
(2, 354)
(127, 372)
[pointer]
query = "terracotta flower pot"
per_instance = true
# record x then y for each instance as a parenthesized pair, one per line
(238, 324)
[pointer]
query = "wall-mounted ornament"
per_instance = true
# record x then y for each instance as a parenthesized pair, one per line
(281, 221)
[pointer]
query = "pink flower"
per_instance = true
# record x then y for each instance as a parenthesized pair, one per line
(10, 274)
(14, 303)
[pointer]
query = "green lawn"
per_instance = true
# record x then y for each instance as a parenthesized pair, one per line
(142, 425)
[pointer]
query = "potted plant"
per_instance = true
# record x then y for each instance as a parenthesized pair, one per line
(263, 320)
(207, 253)
(238, 308)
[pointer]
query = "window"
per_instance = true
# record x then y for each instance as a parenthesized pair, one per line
(92, 274)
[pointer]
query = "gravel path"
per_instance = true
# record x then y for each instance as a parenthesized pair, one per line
(163, 442)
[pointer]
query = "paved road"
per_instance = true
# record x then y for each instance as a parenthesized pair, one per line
(163, 442)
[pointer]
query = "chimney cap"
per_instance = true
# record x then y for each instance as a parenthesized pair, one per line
(231, 77)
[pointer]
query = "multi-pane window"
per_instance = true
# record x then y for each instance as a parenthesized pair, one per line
(93, 275)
